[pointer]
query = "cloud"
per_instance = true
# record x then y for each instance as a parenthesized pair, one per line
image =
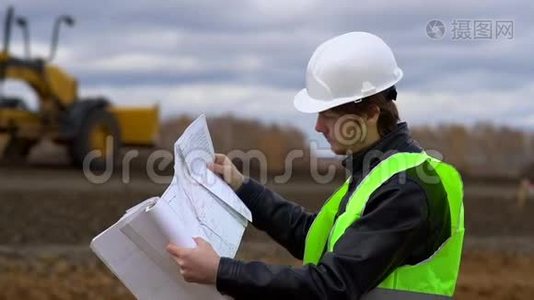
(511, 108)
(249, 57)
(262, 102)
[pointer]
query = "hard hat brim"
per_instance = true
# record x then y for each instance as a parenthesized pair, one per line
(303, 102)
(306, 104)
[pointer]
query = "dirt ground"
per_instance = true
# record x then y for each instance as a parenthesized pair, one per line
(48, 217)
(485, 274)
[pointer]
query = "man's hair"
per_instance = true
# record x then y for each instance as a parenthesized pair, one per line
(389, 115)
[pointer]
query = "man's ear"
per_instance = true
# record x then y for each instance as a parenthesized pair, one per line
(373, 114)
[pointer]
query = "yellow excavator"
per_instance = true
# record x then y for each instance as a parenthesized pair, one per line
(86, 126)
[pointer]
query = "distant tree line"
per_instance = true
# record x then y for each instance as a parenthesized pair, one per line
(480, 150)
(483, 149)
(231, 135)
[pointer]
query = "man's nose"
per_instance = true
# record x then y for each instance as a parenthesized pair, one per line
(319, 126)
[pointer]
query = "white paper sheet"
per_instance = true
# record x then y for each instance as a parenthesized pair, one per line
(196, 203)
(196, 151)
(196, 147)
(141, 271)
(220, 225)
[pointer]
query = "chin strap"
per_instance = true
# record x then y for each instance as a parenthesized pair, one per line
(392, 93)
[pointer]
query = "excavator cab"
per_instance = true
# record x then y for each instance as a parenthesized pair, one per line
(90, 127)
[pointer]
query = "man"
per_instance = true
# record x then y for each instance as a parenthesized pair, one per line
(394, 230)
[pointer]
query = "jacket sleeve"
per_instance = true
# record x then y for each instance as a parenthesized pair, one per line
(391, 226)
(285, 222)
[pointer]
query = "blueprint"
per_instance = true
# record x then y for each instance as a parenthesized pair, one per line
(197, 203)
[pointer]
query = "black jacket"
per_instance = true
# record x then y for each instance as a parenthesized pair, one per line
(404, 222)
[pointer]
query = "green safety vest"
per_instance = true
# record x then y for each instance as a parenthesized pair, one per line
(433, 278)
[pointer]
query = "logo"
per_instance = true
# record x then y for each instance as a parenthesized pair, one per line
(435, 29)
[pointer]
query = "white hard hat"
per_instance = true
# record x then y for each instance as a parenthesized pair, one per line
(347, 68)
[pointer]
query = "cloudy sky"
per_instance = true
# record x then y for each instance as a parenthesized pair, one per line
(248, 57)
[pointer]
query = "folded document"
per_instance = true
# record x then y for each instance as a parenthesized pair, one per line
(196, 203)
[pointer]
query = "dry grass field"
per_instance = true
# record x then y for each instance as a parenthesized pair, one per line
(49, 215)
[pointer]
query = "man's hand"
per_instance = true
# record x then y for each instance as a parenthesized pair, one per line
(198, 264)
(224, 167)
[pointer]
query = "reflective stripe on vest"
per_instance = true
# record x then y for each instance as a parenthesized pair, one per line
(435, 276)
